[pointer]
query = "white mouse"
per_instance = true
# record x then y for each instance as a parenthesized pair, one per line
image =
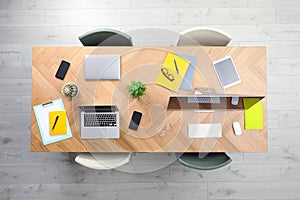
(237, 128)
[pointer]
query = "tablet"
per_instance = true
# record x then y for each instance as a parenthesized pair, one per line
(226, 72)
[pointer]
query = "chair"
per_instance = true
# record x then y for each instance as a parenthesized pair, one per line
(154, 37)
(204, 36)
(105, 37)
(209, 161)
(102, 161)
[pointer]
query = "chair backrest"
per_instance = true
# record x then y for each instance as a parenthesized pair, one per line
(105, 37)
(203, 36)
(102, 161)
(154, 37)
(209, 162)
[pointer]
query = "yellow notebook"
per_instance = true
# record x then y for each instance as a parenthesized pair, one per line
(172, 72)
(57, 122)
(253, 114)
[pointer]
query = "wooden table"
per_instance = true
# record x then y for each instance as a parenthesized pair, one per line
(161, 130)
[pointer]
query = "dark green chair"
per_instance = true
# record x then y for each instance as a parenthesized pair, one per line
(204, 161)
(105, 37)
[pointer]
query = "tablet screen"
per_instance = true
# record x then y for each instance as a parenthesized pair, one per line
(227, 72)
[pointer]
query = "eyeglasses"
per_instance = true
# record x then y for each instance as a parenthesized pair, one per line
(165, 72)
(166, 129)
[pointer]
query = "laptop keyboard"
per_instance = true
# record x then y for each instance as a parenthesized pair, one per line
(211, 100)
(100, 120)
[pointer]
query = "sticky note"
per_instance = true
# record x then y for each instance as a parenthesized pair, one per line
(57, 122)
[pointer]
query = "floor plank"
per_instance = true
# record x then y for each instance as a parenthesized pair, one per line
(276, 154)
(27, 175)
(232, 172)
(10, 104)
(196, 16)
(16, 87)
(253, 190)
(149, 191)
(284, 136)
(74, 173)
(289, 119)
(62, 5)
(48, 191)
(15, 122)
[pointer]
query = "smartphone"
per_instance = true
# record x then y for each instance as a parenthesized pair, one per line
(135, 120)
(62, 70)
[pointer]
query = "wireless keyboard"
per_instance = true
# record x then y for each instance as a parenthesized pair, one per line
(210, 100)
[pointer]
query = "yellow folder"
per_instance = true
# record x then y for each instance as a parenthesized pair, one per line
(57, 122)
(172, 72)
(253, 114)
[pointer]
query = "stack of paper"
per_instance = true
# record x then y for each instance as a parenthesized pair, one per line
(172, 72)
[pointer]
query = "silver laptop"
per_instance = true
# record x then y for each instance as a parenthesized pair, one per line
(99, 121)
(102, 67)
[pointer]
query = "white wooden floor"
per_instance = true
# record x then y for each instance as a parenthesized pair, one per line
(272, 175)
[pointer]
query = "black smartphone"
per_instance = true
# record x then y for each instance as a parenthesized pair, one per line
(135, 120)
(62, 70)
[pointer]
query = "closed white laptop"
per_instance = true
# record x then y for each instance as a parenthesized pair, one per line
(102, 67)
(205, 130)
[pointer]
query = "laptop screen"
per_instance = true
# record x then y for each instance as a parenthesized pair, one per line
(99, 108)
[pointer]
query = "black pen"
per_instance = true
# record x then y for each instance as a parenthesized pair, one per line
(55, 122)
(176, 66)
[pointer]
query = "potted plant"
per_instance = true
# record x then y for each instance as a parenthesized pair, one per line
(70, 90)
(136, 89)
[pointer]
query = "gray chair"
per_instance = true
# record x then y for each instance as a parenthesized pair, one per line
(105, 37)
(203, 36)
(204, 161)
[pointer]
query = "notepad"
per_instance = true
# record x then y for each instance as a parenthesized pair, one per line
(172, 72)
(57, 122)
(253, 114)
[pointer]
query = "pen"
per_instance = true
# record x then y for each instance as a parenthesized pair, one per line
(55, 122)
(176, 66)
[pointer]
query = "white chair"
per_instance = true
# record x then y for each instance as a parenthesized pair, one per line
(203, 36)
(102, 161)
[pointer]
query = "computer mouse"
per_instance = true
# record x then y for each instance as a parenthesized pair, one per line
(237, 128)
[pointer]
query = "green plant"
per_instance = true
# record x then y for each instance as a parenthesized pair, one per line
(136, 89)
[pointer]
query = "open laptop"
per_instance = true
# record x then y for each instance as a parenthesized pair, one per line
(99, 121)
(102, 67)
